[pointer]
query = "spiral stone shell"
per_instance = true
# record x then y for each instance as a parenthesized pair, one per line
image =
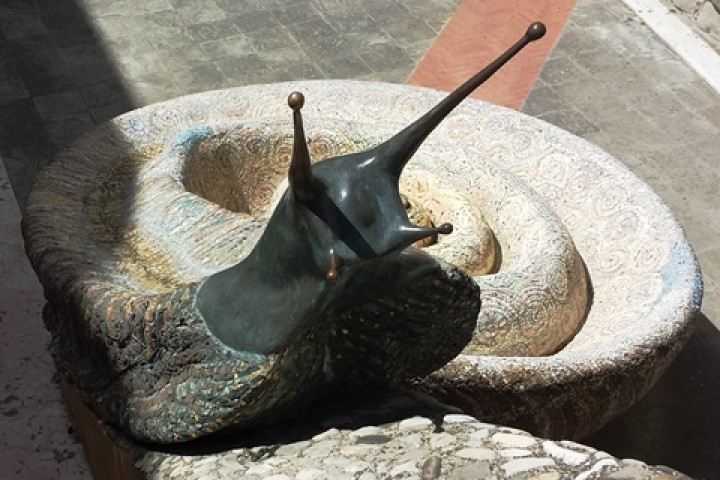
(643, 276)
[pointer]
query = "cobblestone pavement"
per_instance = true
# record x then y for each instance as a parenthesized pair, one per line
(66, 65)
(457, 447)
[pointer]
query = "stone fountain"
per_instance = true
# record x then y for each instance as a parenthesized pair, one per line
(585, 284)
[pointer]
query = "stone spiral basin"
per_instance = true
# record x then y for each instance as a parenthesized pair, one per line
(590, 284)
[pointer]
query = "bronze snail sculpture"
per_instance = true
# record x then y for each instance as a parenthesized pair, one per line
(332, 291)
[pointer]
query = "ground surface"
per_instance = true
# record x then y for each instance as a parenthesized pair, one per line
(66, 65)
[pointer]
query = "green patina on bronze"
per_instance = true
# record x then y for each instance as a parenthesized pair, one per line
(332, 292)
(350, 212)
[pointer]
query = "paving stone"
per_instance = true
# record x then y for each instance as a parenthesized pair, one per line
(200, 77)
(292, 448)
(434, 13)
(264, 470)
(238, 45)
(12, 86)
(333, 432)
(712, 115)
(152, 88)
(590, 14)
(476, 453)
(479, 435)
(75, 38)
(145, 7)
(39, 63)
(136, 67)
(290, 13)
(250, 21)
(21, 19)
(88, 64)
(317, 39)
(129, 46)
(565, 455)
(415, 440)
(68, 18)
(575, 40)
(358, 23)
(321, 449)
(694, 95)
(238, 66)
(454, 418)
(440, 440)
(357, 467)
(59, 104)
(338, 8)
(408, 30)
(683, 128)
(431, 468)
(522, 465)
(383, 57)
(23, 162)
(20, 124)
(367, 476)
(407, 468)
(414, 455)
(471, 472)
(108, 111)
(63, 129)
(513, 440)
(547, 476)
(214, 30)
(543, 100)
(337, 461)
(416, 424)
(114, 27)
(271, 39)
(166, 37)
(311, 474)
(570, 120)
(672, 70)
(656, 103)
(366, 432)
(559, 70)
(515, 452)
(346, 67)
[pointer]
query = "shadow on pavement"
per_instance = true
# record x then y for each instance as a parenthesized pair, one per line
(57, 81)
(678, 422)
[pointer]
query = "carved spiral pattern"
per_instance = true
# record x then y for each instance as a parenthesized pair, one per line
(558, 207)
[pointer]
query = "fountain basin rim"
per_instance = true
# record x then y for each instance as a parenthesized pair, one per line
(644, 302)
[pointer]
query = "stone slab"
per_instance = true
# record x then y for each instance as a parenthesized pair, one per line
(33, 438)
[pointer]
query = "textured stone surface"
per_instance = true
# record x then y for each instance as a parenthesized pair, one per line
(396, 460)
(708, 18)
(659, 428)
(639, 263)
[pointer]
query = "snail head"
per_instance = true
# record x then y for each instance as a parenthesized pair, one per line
(352, 203)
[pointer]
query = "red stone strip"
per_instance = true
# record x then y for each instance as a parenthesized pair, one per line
(479, 31)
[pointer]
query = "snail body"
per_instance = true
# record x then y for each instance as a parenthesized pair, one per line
(331, 291)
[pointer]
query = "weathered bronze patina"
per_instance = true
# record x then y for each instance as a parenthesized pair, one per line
(332, 292)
